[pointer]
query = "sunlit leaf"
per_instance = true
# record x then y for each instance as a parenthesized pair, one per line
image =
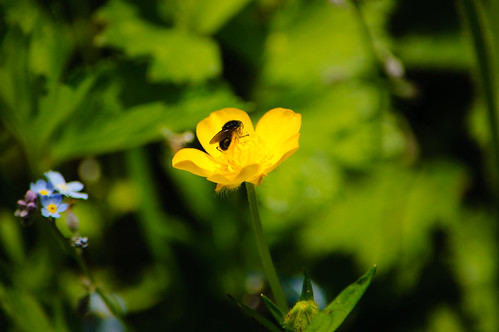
(133, 128)
(434, 51)
(202, 16)
(310, 35)
(398, 217)
(101, 125)
(51, 46)
(334, 314)
(58, 105)
(176, 55)
(475, 250)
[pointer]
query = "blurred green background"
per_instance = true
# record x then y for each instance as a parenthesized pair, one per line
(395, 166)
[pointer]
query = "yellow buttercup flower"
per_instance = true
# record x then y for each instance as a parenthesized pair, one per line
(241, 153)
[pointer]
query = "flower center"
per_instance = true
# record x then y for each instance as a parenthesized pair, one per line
(246, 150)
(43, 192)
(62, 187)
(52, 208)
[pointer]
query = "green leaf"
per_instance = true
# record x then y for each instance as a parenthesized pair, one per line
(132, 128)
(100, 124)
(256, 315)
(15, 93)
(24, 310)
(158, 228)
(274, 310)
(202, 16)
(307, 293)
(11, 238)
(50, 49)
(176, 55)
(58, 105)
(330, 319)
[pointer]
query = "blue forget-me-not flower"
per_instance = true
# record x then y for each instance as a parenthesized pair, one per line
(70, 189)
(41, 188)
(52, 205)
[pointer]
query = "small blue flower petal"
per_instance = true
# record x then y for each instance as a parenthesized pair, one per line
(75, 186)
(41, 188)
(55, 178)
(55, 199)
(46, 213)
(63, 207)
(78, 195)
(70, 189)
(52, 206)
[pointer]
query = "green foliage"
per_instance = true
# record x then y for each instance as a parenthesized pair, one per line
(401, 218)
(334, 314)
(177, 55)
(35, 319)
(278, 315)
(395, 167)
(305, 314)
(203, 17)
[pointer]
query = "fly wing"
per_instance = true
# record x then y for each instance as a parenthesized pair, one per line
(221, 135)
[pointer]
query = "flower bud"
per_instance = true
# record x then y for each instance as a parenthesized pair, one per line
(80, 242)
(30, 196)
(72, 221)
(26, 207)
(301, 316)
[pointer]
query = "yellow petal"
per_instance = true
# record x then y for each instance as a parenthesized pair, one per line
(287, 149)
(195, 161)
(277, 126)
(234, 180)
(209, 127)
(280, 129)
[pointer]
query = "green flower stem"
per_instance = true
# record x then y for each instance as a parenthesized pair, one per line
(81, 264)
(475, 17)
(263, 250)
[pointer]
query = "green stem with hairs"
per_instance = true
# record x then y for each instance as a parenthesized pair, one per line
(263, 250)
(83, 267)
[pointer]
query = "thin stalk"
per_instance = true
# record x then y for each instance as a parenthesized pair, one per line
(368, 39)
(477, 29)
(83, 267)
(263, 250)
(377, 76)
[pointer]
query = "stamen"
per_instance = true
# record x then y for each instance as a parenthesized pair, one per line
(52, 208)
(245, 150)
